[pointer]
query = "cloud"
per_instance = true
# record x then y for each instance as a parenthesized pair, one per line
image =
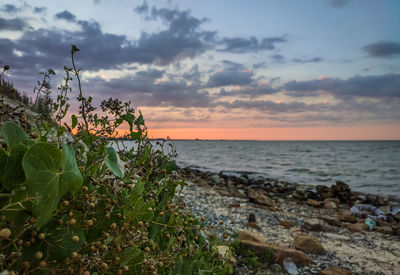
(232, 74)
(250, 91)
(382, 49)
(66, 15)
(49, 48)
(278, 58)
(381, 86)
(15, 24)
(311, 60)
(9, 8)
(260, 65)
(338, 3)
(40, 10)
(252, 44)
(144, 8)
(270, 107)
(143, 88)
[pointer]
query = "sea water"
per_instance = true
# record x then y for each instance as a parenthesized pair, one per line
(367, 166)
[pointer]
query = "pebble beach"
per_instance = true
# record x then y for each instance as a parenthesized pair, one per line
(324, 229)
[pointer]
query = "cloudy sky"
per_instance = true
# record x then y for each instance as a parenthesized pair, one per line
(317, 69)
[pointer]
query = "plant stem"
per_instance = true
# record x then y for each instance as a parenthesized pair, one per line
(80, 93)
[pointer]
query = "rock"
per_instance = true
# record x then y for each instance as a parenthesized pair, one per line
(335, 200)
(253, 225)
(385, 209)
(252, 236)
(330, 205)
(357, 227)
(314, 203)
(234, 191)
(298, 257)
(259, 198)
(332, 221)
(299, 196)
(384, 230)
(340, 186)
(287, 223)
(251, 193)
(216, 179)
(334, 270)
(312, 224)
(397, 216)
(327, 195)
(252, 217)
(265, 200)
(222, 192)
(346, 216)
(308, 243)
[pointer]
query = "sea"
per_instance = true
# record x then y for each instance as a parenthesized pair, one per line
(366, 166)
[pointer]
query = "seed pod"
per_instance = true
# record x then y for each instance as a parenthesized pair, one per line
(5, 233)
(168, 236)
(104, 266)
(104, 248)
(113, 226)
(75, 238)
(42, 264)
(74, 255)
(126, 268)
(203, 218)
(85, 189)
(72, 222)
(86, 273)
(161, 214)
(6, 67)
(150, 209)
(38, 255)
(147, 249)
(107, 216)
(140, 224)
(65, 203)
(27, 244)
(25, 265)
(117, 259)
(119, 272)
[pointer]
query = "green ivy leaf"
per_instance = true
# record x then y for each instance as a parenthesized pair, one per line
(49, 175)
(112, 162)
(11, 172)
(13, 134)
(74, 121)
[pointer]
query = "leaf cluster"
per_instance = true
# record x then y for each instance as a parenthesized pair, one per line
(88, 204)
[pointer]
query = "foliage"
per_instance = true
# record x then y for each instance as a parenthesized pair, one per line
(246, 257)
(73, 204)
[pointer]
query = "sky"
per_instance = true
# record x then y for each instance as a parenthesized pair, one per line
(262, 70)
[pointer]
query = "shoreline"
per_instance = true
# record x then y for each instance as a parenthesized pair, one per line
(282, 211)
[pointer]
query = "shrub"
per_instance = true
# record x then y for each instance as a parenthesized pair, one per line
(73, 204)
